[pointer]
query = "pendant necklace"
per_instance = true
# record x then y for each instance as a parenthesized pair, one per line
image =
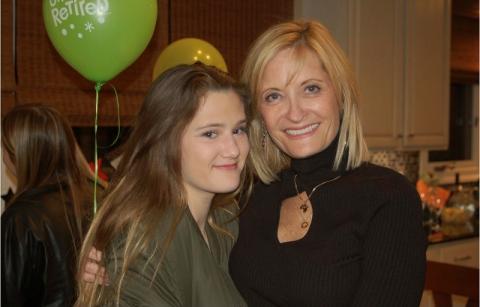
(304, 202)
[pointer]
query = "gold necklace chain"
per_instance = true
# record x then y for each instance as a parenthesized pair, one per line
(304, 207)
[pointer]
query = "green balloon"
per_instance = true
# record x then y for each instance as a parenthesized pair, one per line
(100, 38)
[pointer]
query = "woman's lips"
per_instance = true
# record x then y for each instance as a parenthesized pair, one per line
(305, 131)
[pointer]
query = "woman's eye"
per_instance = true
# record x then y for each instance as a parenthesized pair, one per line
(312, 88)
(240, 130)
(272, 97)
(210, 134)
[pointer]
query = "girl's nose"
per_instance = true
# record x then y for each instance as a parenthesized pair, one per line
(230, 147)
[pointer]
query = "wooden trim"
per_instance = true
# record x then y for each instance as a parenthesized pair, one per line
(7, 41)
(8, 101)
(446, 279)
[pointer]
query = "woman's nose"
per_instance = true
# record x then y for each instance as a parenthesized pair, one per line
(295, 112)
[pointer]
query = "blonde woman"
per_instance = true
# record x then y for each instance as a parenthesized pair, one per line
(167, 224)
(323, 227)
(44, 222)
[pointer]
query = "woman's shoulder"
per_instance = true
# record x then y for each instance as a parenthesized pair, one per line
(37, 213)
(383, 183)
(18, 216)
(29, 206)
(379, 175)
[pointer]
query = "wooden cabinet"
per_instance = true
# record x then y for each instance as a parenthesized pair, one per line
(461, 252)
(399, 51)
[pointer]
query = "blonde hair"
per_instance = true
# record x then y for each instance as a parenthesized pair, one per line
(147, 189)
(267, 159)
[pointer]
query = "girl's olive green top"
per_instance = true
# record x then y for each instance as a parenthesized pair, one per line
(192, 273)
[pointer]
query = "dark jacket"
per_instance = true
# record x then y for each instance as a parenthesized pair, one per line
(39, 250)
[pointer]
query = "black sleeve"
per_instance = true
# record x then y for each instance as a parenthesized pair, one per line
(394, 261)
(23, 261)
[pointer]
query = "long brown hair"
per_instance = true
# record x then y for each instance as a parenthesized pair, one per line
(299, 35)
(40, 143)
(148, 182)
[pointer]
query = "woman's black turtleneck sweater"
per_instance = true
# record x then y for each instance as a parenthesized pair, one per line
(365, 246)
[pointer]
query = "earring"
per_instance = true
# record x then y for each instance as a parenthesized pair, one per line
(264, 136)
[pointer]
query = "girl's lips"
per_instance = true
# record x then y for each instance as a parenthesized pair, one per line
(232, 166)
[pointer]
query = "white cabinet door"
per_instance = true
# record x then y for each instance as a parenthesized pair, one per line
(377, 55)
(427, 78)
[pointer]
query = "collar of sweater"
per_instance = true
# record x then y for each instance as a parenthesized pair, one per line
(314, 169)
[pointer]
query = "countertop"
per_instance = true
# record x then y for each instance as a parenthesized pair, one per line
(452, 232)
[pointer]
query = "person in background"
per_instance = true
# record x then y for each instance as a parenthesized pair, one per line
(167, 223)
(323, 227)
(45, 219)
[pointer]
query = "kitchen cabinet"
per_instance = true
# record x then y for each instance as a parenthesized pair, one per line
(400, 52)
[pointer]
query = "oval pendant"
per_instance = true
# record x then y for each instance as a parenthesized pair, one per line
(304, 207)
(304, 225)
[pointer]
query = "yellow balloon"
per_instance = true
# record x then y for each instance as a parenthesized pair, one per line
(188, 51)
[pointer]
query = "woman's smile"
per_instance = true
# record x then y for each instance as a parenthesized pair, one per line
(302, 132)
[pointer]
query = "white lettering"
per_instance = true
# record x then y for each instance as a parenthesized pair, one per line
(54, 2)
(91, 8)
(63, 13)
(98, 8)
(56, 20)
(82, 12)
(68, 4)
(102, 7)
(76, 7)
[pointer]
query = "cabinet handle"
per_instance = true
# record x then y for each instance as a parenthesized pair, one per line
(410, 135)
(464, 258)
(399, 136)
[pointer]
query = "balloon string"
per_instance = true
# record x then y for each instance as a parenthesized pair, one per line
(118, 120)
(98, 86)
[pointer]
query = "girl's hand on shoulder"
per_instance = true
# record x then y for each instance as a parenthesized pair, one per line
(93, 271)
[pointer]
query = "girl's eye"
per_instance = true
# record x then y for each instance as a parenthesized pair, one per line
(210, 134)
(240, 130)
(272, 97)
(312, 88)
